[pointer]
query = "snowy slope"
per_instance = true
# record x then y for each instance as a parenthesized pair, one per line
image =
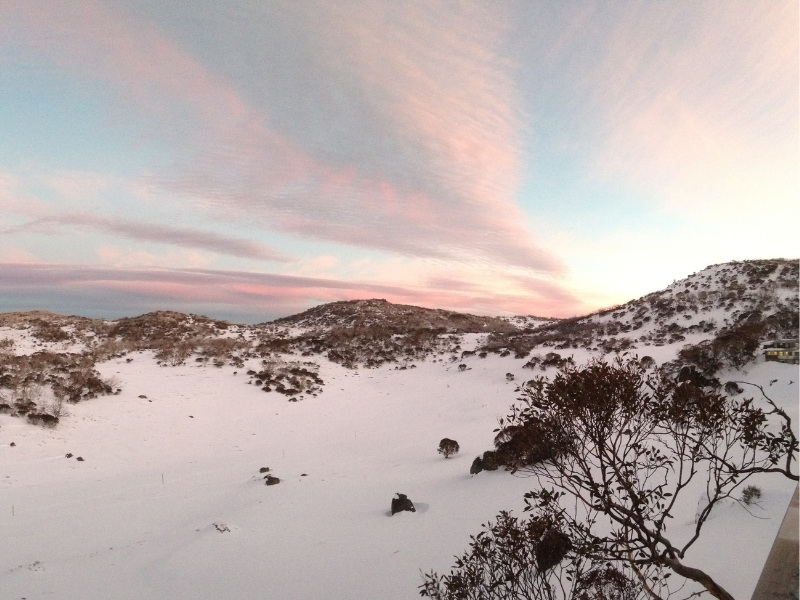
(108, 526)
(168, 501)
(138, 517)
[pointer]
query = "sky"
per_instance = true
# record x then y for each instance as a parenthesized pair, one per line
(249, 160)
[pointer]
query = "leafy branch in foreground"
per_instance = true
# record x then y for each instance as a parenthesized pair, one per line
(625, 446)
(538, 557)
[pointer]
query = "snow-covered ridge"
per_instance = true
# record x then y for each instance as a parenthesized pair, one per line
(717, 299)
(373, 332)
(380, 313)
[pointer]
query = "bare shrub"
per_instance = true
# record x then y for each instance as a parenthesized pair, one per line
(174, 353)
(288, 378)
(44, 419)
(111, 348)
(56, 408)
(29, 392)
(48, 331)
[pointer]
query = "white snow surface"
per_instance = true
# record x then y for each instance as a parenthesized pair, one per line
(168, 501)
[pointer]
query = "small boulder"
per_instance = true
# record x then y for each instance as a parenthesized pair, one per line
(264, 470)
(489, 461)
(553, 547)
(401, 503)
(477, 466)
(271, 480)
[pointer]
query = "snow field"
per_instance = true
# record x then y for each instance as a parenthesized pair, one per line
(108, 526)
(140, 517)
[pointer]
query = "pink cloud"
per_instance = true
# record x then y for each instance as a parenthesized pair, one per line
(442, 102)
(157, 233)
(75, 186)
(14, 202)
(443, 95)
(16, 255)
(89, 40)
(117, 257)
(697, 118)
(254, 296)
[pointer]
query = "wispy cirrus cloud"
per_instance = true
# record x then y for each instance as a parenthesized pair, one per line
(410, 126)
(693, 106)
(426, 164)
(384, 143)
(681, 121)
(152, 232)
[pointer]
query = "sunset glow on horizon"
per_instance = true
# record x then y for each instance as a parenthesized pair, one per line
(250, 160)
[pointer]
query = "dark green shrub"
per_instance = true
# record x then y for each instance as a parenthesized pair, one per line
(448, 447)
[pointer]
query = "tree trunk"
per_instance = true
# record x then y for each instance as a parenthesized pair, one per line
(699, 576)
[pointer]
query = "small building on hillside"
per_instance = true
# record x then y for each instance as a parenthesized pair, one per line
(782, 351)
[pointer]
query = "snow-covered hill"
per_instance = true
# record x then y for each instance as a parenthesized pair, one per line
(177, 415)
(717, 299)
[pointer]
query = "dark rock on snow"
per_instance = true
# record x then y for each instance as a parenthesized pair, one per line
(489, 461)
(477, 466)
(401, 503)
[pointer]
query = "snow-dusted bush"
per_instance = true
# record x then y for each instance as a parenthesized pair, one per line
(732, 388)
(174, 352)
(647, 362)
(751, 494)
(287, 377)
(48, 331)
(44, 419)
(522, 445)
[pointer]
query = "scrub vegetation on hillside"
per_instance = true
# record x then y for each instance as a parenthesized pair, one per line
(721, 316)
